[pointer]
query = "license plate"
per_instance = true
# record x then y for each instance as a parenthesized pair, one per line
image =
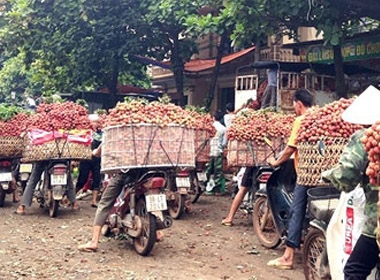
(5, 186)
(57, 192)
(202, 176)
(262, 186)
(182, 182)
(26, 168)
(6, 177)
(156, 202)
(60, 179)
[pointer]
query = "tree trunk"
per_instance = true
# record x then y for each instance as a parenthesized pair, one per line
(215, 74)
(340, 84)
(256, 57)
(178, 71)
(112, 86)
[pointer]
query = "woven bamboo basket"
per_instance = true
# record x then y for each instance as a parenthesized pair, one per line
(312, 163)
(147, 145)
(11, 146)
(57, 149)
(249, 153)
(202, 145)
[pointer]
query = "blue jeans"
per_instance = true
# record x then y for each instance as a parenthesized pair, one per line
(297, 216)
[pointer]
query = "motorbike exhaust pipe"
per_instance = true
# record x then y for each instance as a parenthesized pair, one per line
(166, 223)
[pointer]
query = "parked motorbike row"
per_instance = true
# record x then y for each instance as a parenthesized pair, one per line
(158, 196)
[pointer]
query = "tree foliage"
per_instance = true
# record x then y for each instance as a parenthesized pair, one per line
(167, 19)
(77, 45)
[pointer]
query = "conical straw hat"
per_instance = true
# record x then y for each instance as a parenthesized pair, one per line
(365, 109)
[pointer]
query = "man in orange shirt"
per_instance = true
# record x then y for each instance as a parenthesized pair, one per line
(302, 101)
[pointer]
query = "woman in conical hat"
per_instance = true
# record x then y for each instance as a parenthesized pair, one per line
(350, 172)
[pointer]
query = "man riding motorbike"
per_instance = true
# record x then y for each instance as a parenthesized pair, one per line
(107, 200)
(303, 100)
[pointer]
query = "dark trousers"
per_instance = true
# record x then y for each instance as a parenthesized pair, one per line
(362, 259)
(85, 167)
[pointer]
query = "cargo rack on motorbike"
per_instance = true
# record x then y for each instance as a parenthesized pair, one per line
(312, 163)
(322, 202)
(44, 145)
(250, 153)
(11, 146)
(202, 145)
(147, 145)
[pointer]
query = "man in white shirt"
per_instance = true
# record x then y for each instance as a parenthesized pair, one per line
(215, 166)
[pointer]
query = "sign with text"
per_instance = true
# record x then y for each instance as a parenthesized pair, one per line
(363, 48)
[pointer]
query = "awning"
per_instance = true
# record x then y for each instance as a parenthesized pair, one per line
(198, 65)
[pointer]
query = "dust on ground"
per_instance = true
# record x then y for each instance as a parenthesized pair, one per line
(197, 246)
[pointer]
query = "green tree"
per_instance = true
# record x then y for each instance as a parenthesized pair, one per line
(217, 20)
(167, 19)
(79, 45)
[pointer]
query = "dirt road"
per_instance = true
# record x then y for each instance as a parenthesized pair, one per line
(197, 246)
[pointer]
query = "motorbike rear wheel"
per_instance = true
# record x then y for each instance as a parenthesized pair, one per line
(145, 242)
(2, 198)
(314, 255)
(176, 206)
(53, 205)
(263, 224)
(195, 194)
(196, 190)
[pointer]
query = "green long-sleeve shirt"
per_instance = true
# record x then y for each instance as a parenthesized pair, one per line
(350, 172)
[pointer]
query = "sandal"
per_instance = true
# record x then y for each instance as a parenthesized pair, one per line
(226, 223)
(87, 248)
(20, 212)
(277, 264)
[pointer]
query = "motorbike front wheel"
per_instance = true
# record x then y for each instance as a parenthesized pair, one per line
(315, 256)
(176, 206)
(145, 242)
(263, 224)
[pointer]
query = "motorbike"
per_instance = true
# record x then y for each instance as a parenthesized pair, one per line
(6, 179)
(272, 205)
(54, 184)
(260, 176)
(177, 191)
(198, 180)
(140, 210)
(322, 201)
(23, 174)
